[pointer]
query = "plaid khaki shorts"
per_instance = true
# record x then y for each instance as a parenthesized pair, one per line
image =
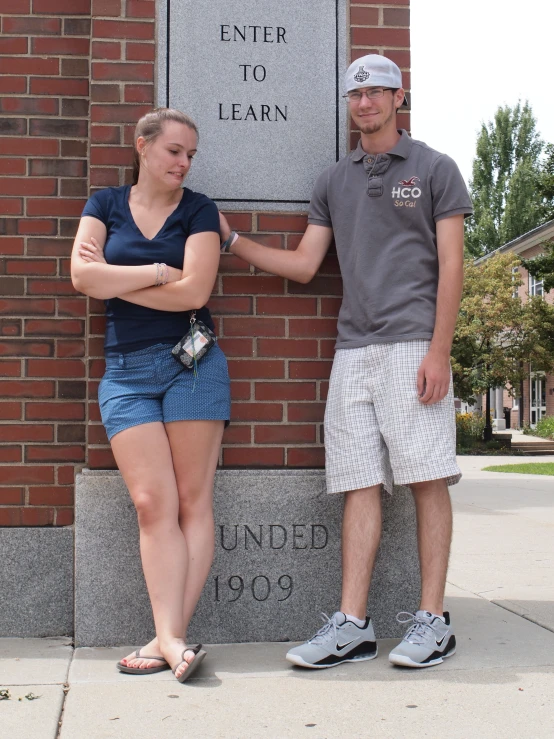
(377, 430)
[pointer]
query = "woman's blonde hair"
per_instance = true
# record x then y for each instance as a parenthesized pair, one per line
(151, 125)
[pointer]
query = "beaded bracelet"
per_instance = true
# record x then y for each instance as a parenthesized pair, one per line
(162, 273)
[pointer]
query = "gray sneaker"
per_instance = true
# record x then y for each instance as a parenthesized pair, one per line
(338, 641)
(427, 642)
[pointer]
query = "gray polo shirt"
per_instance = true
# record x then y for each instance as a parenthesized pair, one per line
(383, 211)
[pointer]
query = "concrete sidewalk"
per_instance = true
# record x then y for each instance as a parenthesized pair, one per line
(499, 684)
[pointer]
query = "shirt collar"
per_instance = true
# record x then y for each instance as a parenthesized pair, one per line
(401, 149)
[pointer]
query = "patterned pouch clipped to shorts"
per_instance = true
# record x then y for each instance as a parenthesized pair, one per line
(198, 340)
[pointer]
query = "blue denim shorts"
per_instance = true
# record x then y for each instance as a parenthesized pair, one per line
(150, 385)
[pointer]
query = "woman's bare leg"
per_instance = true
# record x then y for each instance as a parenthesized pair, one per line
(143, 455)
(195, 448)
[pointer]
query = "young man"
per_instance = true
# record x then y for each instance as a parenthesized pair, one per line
(396, 209)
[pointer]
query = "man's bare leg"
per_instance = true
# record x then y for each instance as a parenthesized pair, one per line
(434, 535)
(361, 533)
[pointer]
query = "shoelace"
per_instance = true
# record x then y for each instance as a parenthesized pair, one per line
(320, 636)
(419, 629)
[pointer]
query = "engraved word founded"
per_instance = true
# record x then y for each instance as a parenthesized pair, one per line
(273, 536)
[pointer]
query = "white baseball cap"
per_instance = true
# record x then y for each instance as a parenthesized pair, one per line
(373, 70)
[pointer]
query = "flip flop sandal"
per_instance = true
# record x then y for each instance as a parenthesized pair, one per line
(192, 666)
(145, 670)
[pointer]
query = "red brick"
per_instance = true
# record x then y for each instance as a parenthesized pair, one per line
(96, 434)
(55, 207)
(61, 7)
(231, 263)
(253, 285)
(10, 411)
(381, 37)
(12, 496)
(70, 348)
(306, 457)
(327, 348)
(66, 87)
(309, 370)
(75, 67)
(140, 9)
(328, 285)
(240, 390)
(330, 265)
(58, 168)
(237, 347)
(237, 434)
(58, 127)
(13, 85)
(10, 454)
(27, 186)
(123, 29)
(12, 432)
(104, 177)
(19, 348)
(364, 16)
(239, 221)
(13, 126)
(399, 56)
(77, 27)
(10, 206)
(54, 46)
(225, 305)
(26, 389)
(11, 245)
(110, 155)
(10, 326)
(251, 369)
(253, 457)
(15, 7)
(330, 306)
(96, 367)
(37, 227)
(13, 46)
(284, 434)
(106, 135)
(31, 26)
(306, 349)
(269, 222)
(29, 65)
(72, 307)
(64, 517)
(55, 411)
(37, 516)
(139, 94)
(28, 147)
(11, 166)
(285, 390)
(50, 495)
(388, 2)
(106, 50)
(396, 17)
(54, 453)
(105, 93)
(312, 327)
(143, 52)
(10, 516)
(304, 412)
(257, 412)
(101, 459)
(54, 327)
(254, 326)
(55, 367)
(50, 287)
(125, 113)
(66, 475)
(10, 368)
(287, 306)
(106, 8)
(30, 267)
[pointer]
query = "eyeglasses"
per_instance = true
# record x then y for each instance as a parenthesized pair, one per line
(354, 96)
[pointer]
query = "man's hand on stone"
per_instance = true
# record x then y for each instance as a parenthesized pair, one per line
(433, 377)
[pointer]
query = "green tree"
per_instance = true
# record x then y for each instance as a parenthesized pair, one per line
(497, 335)
(505, 180)
(546, 183)
(542, 266)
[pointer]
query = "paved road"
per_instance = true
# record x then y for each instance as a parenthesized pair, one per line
(499, 685)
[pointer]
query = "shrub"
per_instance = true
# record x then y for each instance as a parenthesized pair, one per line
(545, 427)
(469, 427)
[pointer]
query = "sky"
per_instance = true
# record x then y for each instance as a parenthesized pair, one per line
(471, 56)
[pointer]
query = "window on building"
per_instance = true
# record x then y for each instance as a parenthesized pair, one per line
(535, 286)
(516, 280)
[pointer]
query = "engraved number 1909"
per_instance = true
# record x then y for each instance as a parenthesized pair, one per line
(260, 587)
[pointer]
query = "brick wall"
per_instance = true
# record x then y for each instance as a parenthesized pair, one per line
(57, 58)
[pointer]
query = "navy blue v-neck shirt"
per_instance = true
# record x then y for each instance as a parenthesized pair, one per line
(132, 327)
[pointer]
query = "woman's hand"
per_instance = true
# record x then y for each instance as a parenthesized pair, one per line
(173, 274)
(91, 251)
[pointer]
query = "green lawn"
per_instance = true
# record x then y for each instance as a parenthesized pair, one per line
(534, 468)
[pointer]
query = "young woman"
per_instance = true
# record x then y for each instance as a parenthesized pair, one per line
(151, 251)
